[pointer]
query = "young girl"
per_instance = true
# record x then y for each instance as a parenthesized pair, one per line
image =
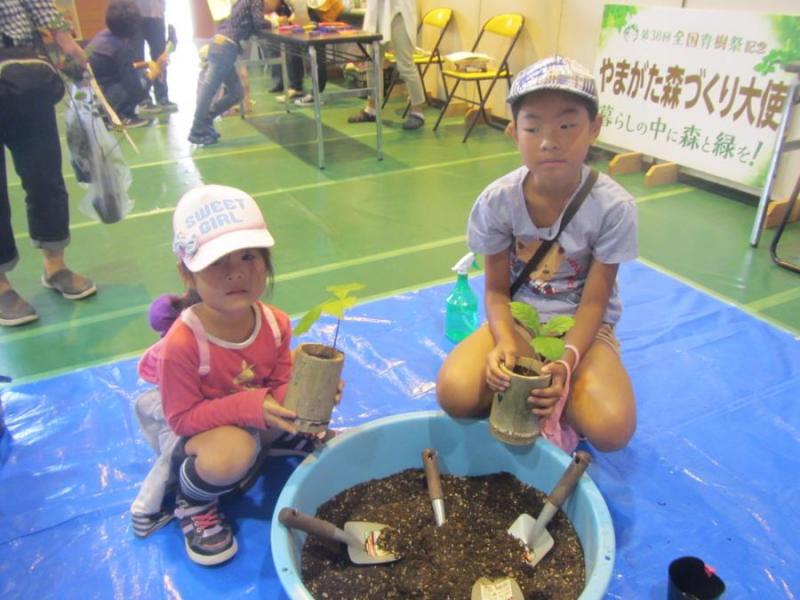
(554, 106)
(222, 369)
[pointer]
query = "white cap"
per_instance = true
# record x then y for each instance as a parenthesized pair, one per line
(214, 220)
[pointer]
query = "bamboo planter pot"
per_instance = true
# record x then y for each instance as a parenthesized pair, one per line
(314, 385)
(511, 420)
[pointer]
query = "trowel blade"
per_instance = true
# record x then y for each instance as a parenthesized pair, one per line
(522, 529)
(497, 589)
(362, 530)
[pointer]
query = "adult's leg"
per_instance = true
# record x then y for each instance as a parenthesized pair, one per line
(36, 152)
(461, 387)
(404, 53)
(295, 70)
(8, 247)
(155, 32)
(602, 405)
(232, 95)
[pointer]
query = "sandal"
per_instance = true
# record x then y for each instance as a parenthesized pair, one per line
(63, 282)
(14, 310)
(413, 121)
(362, 117)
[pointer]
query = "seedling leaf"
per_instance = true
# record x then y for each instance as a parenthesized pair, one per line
(550, 348)
(527, 315)
(343, 291)
(558, 326)
(307, 321)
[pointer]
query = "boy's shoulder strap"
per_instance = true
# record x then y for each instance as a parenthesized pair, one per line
(193, 322)
(544, 247)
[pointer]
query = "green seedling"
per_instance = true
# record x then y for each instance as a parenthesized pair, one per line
(547, 339)
(336, 306)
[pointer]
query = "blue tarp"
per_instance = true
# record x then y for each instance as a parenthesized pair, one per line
(711, 472)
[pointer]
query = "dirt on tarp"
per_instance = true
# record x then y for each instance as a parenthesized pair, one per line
(440, 563)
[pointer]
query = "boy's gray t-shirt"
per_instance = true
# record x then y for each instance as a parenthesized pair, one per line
(604, 228)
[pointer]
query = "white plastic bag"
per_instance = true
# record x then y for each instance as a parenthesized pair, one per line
(96, 158)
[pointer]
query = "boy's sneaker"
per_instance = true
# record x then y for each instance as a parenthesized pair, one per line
(207, 536)
(292, 444)
(144, 525)
(307, 100)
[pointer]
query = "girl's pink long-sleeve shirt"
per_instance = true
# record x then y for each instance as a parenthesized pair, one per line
(241, 376)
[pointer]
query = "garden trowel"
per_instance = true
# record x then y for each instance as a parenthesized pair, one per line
(434, 485)
(361, 537)
(504, 588)
(533, 532)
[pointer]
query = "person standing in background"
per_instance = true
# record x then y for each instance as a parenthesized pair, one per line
(154, 32)
(396, 21)
(246, 19)
(29, 131)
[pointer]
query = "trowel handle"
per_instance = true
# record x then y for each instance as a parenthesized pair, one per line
(434, 485)
(570, 478)
(293, 518)
(432, 474)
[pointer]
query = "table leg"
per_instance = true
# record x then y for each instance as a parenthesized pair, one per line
(377, 94)
(285, 78)
(312, 53)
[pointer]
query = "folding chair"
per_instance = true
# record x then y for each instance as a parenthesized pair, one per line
(438, 18)
(508, 26)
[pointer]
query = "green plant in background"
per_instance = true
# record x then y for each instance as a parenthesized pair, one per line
(787, 33)
(547, 339)
(615, 17)
(336, 306)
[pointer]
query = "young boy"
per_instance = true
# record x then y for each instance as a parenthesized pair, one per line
(246, 19)
(554, 107)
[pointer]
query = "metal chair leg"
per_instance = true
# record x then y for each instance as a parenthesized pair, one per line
(392, 80)
(773, 248)
(446, 103)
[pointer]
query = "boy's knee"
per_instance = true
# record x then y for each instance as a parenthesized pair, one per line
(613, 430)
(455, 396)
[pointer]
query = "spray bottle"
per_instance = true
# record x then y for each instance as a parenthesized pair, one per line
(462, 305)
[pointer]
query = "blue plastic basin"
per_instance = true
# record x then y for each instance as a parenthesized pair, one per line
(465, 447)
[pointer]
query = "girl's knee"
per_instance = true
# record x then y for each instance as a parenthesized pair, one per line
(228, 461)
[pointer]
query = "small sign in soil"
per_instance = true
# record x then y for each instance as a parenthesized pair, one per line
(442, 562)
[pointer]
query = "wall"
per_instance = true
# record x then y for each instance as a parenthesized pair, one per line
(92, 16)
(572, 27)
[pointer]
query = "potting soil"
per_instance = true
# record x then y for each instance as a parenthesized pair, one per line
(442, 562)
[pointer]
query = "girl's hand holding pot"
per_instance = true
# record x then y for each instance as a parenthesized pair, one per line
(276, 415)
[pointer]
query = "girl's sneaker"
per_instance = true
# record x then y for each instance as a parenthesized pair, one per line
(207, 535)
(144, 525)
(292, 444)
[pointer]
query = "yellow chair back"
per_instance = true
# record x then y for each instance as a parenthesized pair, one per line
(505, 25)
(438, 17)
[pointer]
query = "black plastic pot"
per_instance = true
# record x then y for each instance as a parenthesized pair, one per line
(692, 579)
